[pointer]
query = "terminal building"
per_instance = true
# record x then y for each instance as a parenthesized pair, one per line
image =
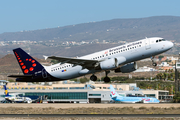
(82, 93)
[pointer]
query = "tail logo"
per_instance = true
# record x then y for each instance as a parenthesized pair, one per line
(113, 93)
(23, 66)
(6, 92)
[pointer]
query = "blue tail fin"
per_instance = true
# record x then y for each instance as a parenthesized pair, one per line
(6, 92)
(27, 63)
(113, 92)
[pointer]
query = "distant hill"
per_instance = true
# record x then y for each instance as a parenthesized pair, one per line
(167, 27)
(9, 64)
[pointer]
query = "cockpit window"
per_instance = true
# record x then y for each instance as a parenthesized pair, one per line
(161, 40)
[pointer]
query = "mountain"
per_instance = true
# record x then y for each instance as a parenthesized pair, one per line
(167, 27)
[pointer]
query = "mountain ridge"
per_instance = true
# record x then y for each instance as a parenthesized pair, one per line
(116, 29)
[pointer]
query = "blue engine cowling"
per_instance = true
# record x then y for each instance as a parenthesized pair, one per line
(130, 67)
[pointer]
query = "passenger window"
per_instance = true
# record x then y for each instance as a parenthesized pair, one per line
(106, 54)
(114, 52)
(156, 40)
(109, 53)
(121, 50)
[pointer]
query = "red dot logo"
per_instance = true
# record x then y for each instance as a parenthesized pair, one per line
(26, 59)
(26, 71)
(21, 64)
(20, 60)
(31, 68)
(30, 59)
(23, 67)
(33, 61)
(34, 65)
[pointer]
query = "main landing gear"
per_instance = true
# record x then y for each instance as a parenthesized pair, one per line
(93, 78)
(106, 79)
(153, 63)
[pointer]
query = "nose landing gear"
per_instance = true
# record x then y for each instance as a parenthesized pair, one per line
(153, 62)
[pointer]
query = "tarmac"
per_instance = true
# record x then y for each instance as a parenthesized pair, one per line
(73, 105)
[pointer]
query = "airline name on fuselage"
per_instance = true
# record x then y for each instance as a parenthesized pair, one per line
(124, 46)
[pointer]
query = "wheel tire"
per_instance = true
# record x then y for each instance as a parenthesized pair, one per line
(154, 64)
(107, 79)
(93, 78)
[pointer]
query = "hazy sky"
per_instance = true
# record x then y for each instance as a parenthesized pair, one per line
(18, 15)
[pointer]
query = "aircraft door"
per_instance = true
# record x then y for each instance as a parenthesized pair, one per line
(147, 43)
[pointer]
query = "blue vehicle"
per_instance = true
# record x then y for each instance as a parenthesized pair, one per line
(116, 97)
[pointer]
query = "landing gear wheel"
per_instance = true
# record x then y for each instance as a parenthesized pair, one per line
(154, 64)
(106, 79)
(93, 78)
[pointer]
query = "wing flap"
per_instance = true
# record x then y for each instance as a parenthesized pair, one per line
(83, 62)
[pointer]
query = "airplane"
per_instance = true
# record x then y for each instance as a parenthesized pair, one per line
(16, 99)
(119, 59)
(116, 97)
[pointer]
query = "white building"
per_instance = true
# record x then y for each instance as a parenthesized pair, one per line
(145, 69)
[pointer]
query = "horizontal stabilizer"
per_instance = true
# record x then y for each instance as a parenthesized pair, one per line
(20, 76)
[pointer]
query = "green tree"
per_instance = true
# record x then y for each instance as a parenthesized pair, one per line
(54, 61)
(160, 57)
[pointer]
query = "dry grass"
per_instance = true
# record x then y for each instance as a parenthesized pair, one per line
(110, 110)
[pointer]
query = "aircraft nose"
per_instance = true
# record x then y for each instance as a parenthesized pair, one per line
(170, 44)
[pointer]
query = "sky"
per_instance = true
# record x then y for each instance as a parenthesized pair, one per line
(19, 15)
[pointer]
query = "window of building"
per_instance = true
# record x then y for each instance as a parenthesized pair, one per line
(94, 94)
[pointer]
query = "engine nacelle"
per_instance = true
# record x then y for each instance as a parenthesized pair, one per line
(108, 64)
(130, 67)
(111, 63)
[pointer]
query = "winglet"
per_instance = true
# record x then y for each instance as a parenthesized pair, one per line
(45, 57)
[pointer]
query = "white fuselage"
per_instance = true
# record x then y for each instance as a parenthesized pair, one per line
(132, 52)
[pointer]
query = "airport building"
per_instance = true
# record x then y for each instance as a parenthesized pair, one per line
(82, 93)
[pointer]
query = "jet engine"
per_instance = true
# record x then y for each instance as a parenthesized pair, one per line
(112, 63)
(130, 67)
(108, 64)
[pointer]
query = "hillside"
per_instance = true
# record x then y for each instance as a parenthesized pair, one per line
(117, 29)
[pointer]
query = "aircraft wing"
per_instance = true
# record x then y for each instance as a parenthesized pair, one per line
(83, 62)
